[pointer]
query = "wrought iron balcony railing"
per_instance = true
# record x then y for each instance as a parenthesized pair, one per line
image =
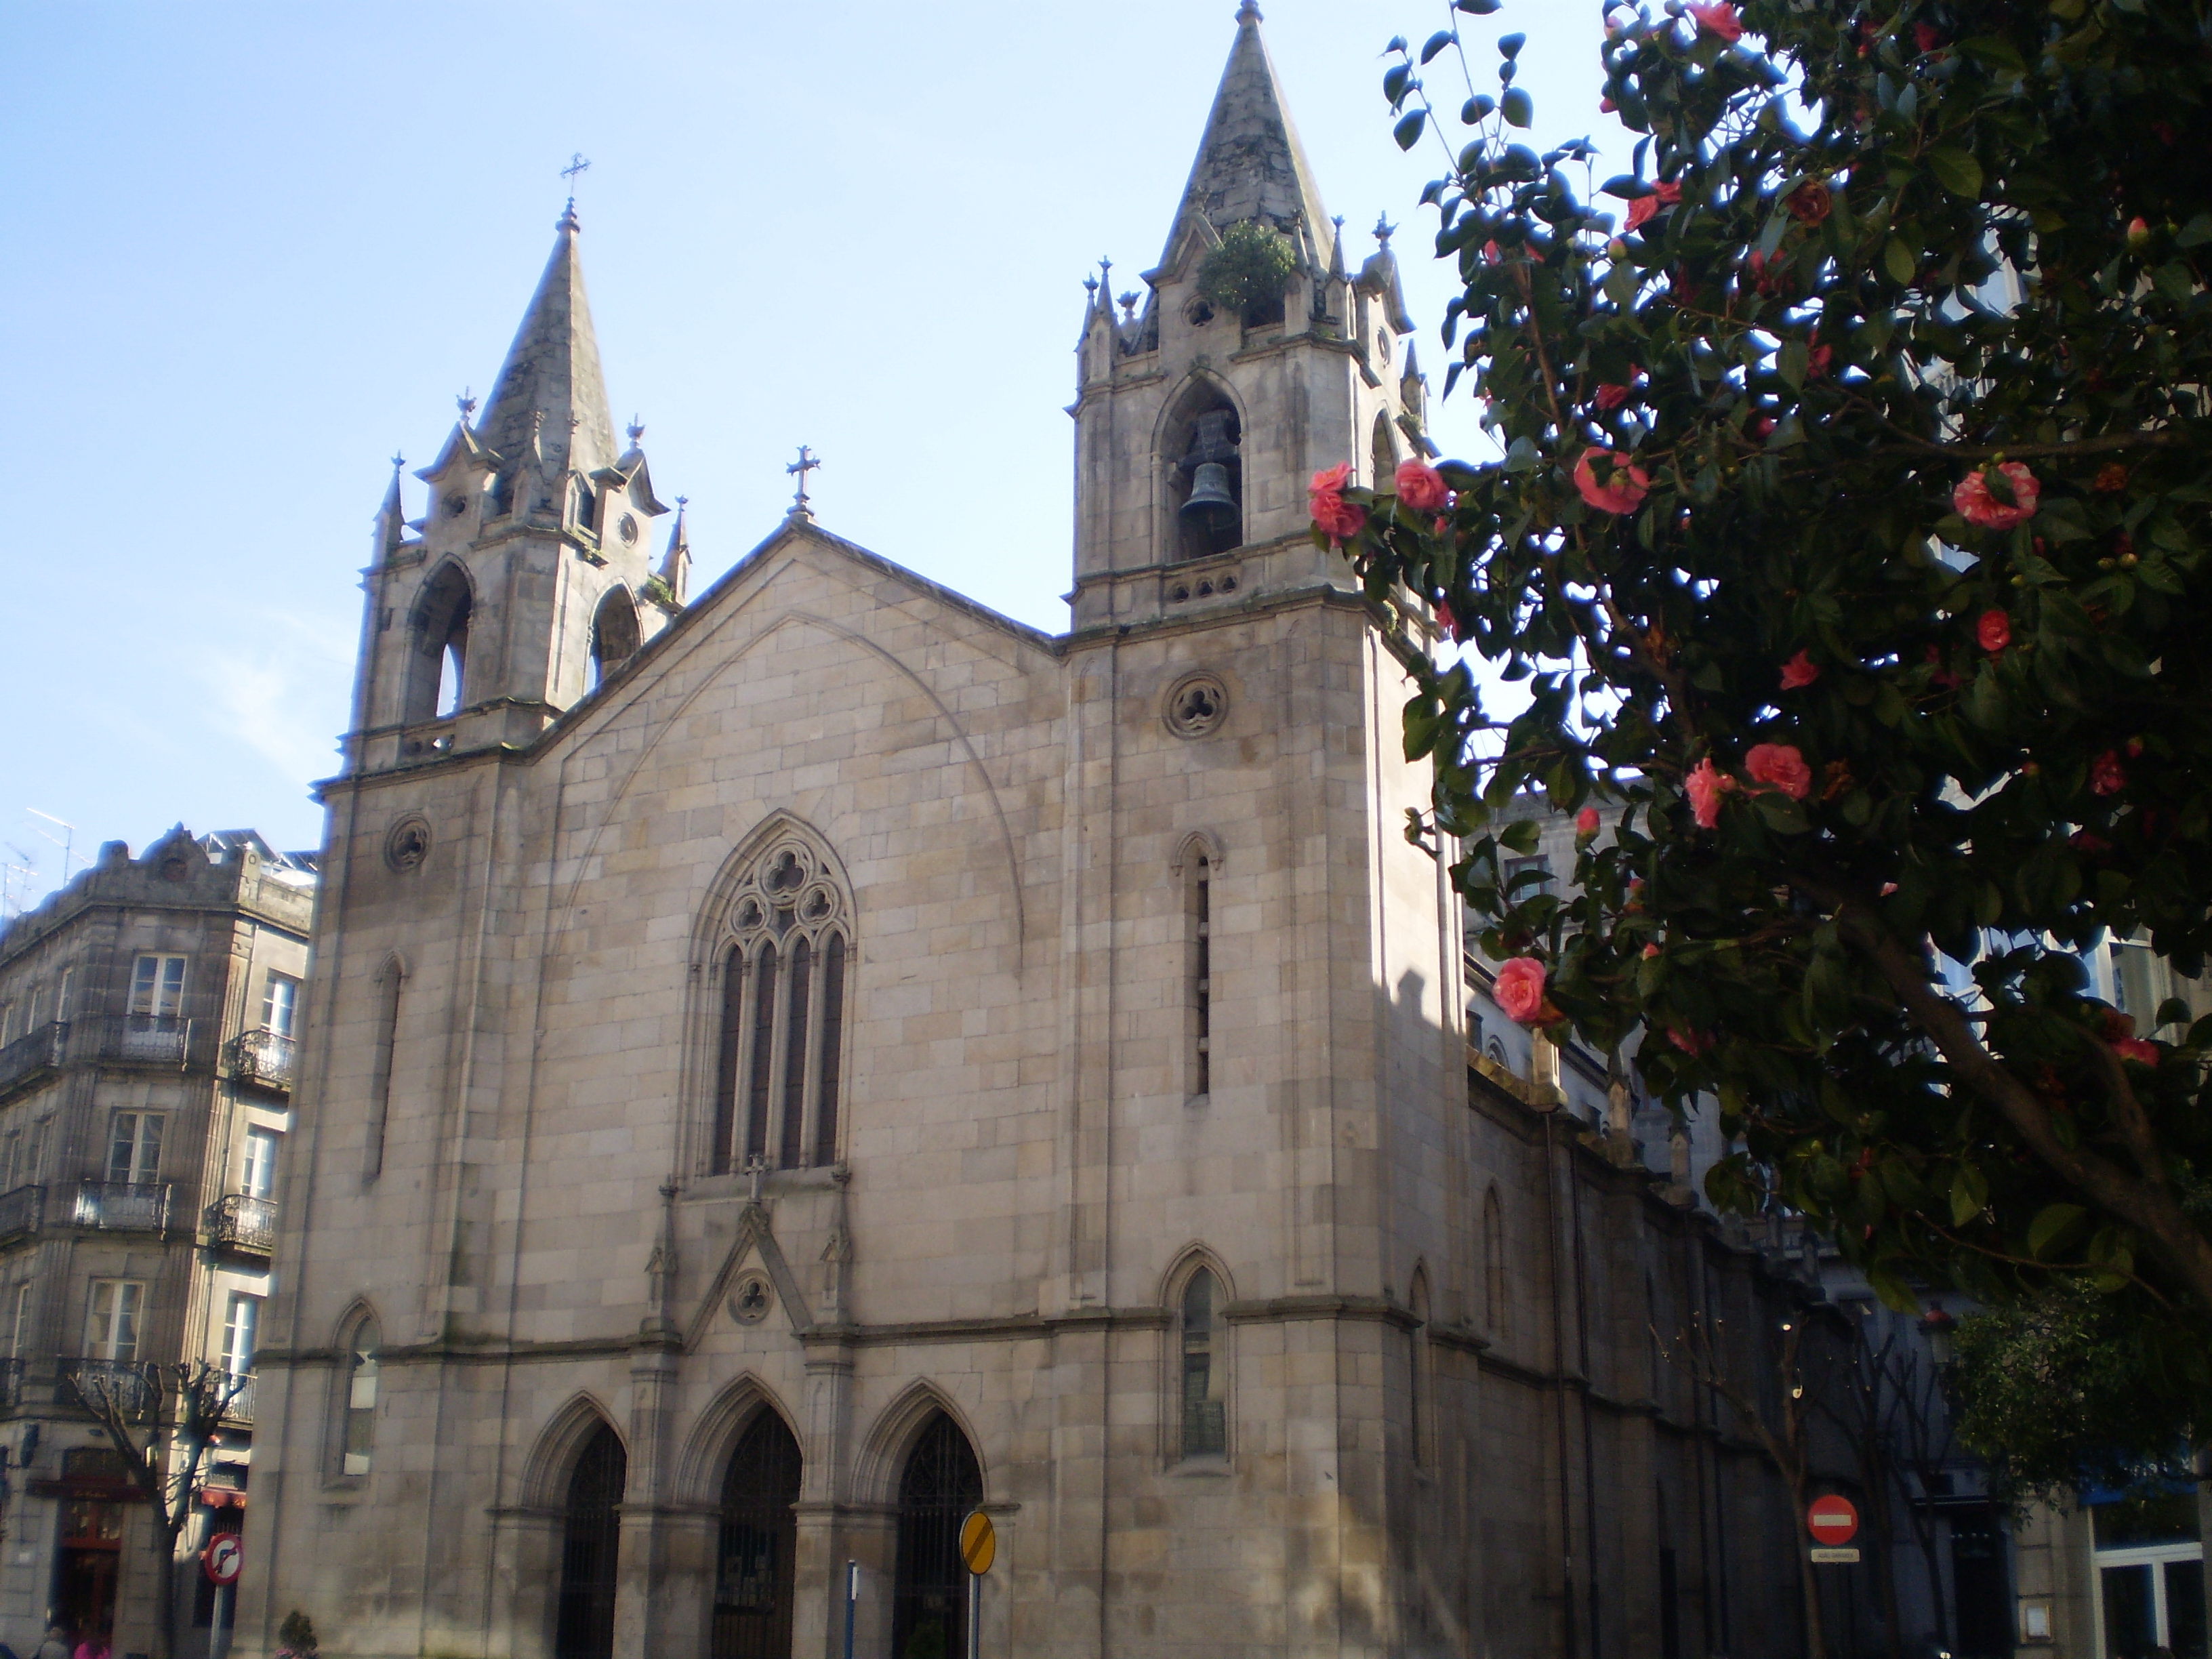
(240, 1407)
(140, 1039)
(21, 1213)
(125, 1206)
(240, 1222)
(264, 1058)
(33, 1057)
(130, 1386)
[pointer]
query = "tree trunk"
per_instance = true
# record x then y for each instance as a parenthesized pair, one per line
(165, 1579)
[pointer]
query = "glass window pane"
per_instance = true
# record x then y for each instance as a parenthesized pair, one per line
(2154, 1517)
(2130, 1628)
(259, 1178)
(2185, 1608)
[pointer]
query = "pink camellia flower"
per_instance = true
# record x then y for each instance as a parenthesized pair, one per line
(1446, 620)
(1705, 786)
(1978, 503)
(1586, 822)
(1422, 488)
(2107, 777)
(1611, 397)
(1927, 37)
(1716, 17)
(1646, 208)
(1888, 889)
(1994, 630)
(1340, 520)
(2083, 841)
(1650, 951)
(1692, 1043)
(1519, 989)
(2138, 1050)
(1779, 766)
(1817, 359)
(1800, 672)
(1623, 493)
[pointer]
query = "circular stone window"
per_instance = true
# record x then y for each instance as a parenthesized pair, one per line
(456, 505)
(1194, 706)
(1199, 313)
(408, 843)
(628, 528)
(751, 1299)
(1382, 345)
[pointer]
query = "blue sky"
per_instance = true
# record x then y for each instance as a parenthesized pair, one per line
(249, 251)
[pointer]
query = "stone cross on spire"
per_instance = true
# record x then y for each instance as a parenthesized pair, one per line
(806, 464)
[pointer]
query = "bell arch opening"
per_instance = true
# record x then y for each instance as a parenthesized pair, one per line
(941, 1484)
(438, 647)
(613, 634)
(1206, 473)
(754, 1578)
(591, 1535)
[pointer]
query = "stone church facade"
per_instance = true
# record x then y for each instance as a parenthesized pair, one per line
(787, 1068)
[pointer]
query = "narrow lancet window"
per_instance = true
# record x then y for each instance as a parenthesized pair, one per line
(1202, 974)
(1204, 1426)
(779, 1068)
(381, 1055)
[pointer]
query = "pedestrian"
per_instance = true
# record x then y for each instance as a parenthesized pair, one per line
(57, 1645)
(94, 1646)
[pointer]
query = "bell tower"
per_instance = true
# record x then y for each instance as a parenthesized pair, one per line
(1253, 360)
(530, 577)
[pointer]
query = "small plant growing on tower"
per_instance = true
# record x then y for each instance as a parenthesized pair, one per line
(295, 1637)
(1248, 271)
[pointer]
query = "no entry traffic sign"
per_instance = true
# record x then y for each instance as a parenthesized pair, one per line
(1833, 1520)
(222, 1557)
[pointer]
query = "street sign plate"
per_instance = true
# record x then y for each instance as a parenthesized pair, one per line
(979, 1543)
(1833, 1520)
(222, 1557)
(1833, 1556)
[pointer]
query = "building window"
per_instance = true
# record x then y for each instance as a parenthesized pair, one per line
(258, 1176)
(389, 984)
(66, 994)
(1199, 901)
(2150, 1572)
(438, 634)
(157, 987)
(19, 1321)
(280, 1006)
(134, 1148)
(1204, 1414)
(785, 957)
(242, 1319)
(613, 634)
(111, 1319)
(357, 1433)
(1417, 1303)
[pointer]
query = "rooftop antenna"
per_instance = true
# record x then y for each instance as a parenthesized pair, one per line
(66, 841)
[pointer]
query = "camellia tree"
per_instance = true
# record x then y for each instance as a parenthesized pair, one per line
(1844, 560)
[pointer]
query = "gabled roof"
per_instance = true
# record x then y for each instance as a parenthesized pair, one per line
(1250, 164)
(552, 372)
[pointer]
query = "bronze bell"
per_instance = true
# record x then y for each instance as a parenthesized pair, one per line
(1212, 505)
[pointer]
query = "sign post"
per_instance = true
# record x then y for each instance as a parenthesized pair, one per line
(852, 1601)
(979, 1547)
(221, 1560)
(1833, 1520)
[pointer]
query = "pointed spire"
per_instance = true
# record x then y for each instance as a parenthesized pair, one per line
(550, 395)
(1250, 164)
(674, 572)
(392, 517)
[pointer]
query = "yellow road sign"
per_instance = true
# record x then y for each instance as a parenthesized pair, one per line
(979, 1542)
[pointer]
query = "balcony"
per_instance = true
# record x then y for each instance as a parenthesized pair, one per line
(33, 1058)
(239, 1408)
(21, 1213)
(236, 1222)
(141, 1039)
(123, 1206)
(133, 1390)
(263, 1059)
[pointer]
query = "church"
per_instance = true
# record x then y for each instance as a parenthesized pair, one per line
(792, 1064)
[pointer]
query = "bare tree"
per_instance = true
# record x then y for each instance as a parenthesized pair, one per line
(160, 1419)
(1700, 1352)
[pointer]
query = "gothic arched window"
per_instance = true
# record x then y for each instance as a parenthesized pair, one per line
(786, 952)
(614, 633)
(755, 1583)
(1205, 1405)
(1205, 462)
(941, 1485)
(438, 631)
(590, 1541)
(358, 1404)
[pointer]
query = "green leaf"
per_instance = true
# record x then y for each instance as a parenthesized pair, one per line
(1408, 132)
(1477, 8)
(1956, 170)
(2049, 1222)
(1396, 80)
(1437, 43)
(1969, 1195)
(1518, 106)
(2196, 232)
(1521, 835)
(2172, 1011)
(1897, 259)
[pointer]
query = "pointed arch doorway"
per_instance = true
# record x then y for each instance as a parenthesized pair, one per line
(590, 1537)
(941, 1483)
(754, 1583)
